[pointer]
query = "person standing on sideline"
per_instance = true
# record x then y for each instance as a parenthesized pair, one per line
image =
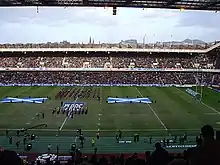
(17, 143)
(48, 148)
(93, 142)
(150, 140)
(97, 135)
(6, 132)
(95, 151)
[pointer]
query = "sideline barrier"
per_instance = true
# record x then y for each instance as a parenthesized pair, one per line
(104, 85)
(215, 88)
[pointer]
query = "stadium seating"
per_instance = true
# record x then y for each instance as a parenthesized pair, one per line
(105, 60)
(108, 78)
(81, 60)
(114, 60)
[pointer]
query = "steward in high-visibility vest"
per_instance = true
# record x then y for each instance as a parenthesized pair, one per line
(93, 142)
(24, 161)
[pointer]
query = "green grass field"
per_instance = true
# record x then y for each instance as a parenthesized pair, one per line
(174, 112)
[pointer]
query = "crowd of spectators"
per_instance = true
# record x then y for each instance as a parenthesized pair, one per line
(117, 60)
(216, 79)
(43, 77)
(165, 61)
(92, 44)
(206, 152)
(106, 60)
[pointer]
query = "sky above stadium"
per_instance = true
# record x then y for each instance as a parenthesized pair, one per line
(25, 25)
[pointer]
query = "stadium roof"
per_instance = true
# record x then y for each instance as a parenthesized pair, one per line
(168, 4)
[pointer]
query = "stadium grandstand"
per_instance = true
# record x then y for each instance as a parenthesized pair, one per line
(107, 103)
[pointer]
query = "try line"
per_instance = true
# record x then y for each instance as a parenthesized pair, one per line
(207, 106)
(161, 122)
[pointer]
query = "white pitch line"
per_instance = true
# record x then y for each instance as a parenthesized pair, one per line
(109, 130)
(210, 113)
(100, 111)
(213, 109)
(161, 122)
(61, 127)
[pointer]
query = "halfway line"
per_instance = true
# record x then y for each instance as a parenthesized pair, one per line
(61, 127)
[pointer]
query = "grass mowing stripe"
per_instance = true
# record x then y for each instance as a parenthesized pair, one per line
(61, 127)
(162, 123)
(213, 109)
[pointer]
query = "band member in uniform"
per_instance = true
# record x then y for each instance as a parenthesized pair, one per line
(42, 115)
(53, 112)
(97, 135)
(119, 134)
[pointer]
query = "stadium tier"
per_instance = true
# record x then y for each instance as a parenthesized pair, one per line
(158, 64)
(66, 98)
(103, 60)
(109, 56)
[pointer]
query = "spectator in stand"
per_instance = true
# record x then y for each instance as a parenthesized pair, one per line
(103, 161)
(178, 162)
(159, 157)
(114, 60)
(93, 160)
(101, 78)
(208, 152)
(216, 79)
(9, 158)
